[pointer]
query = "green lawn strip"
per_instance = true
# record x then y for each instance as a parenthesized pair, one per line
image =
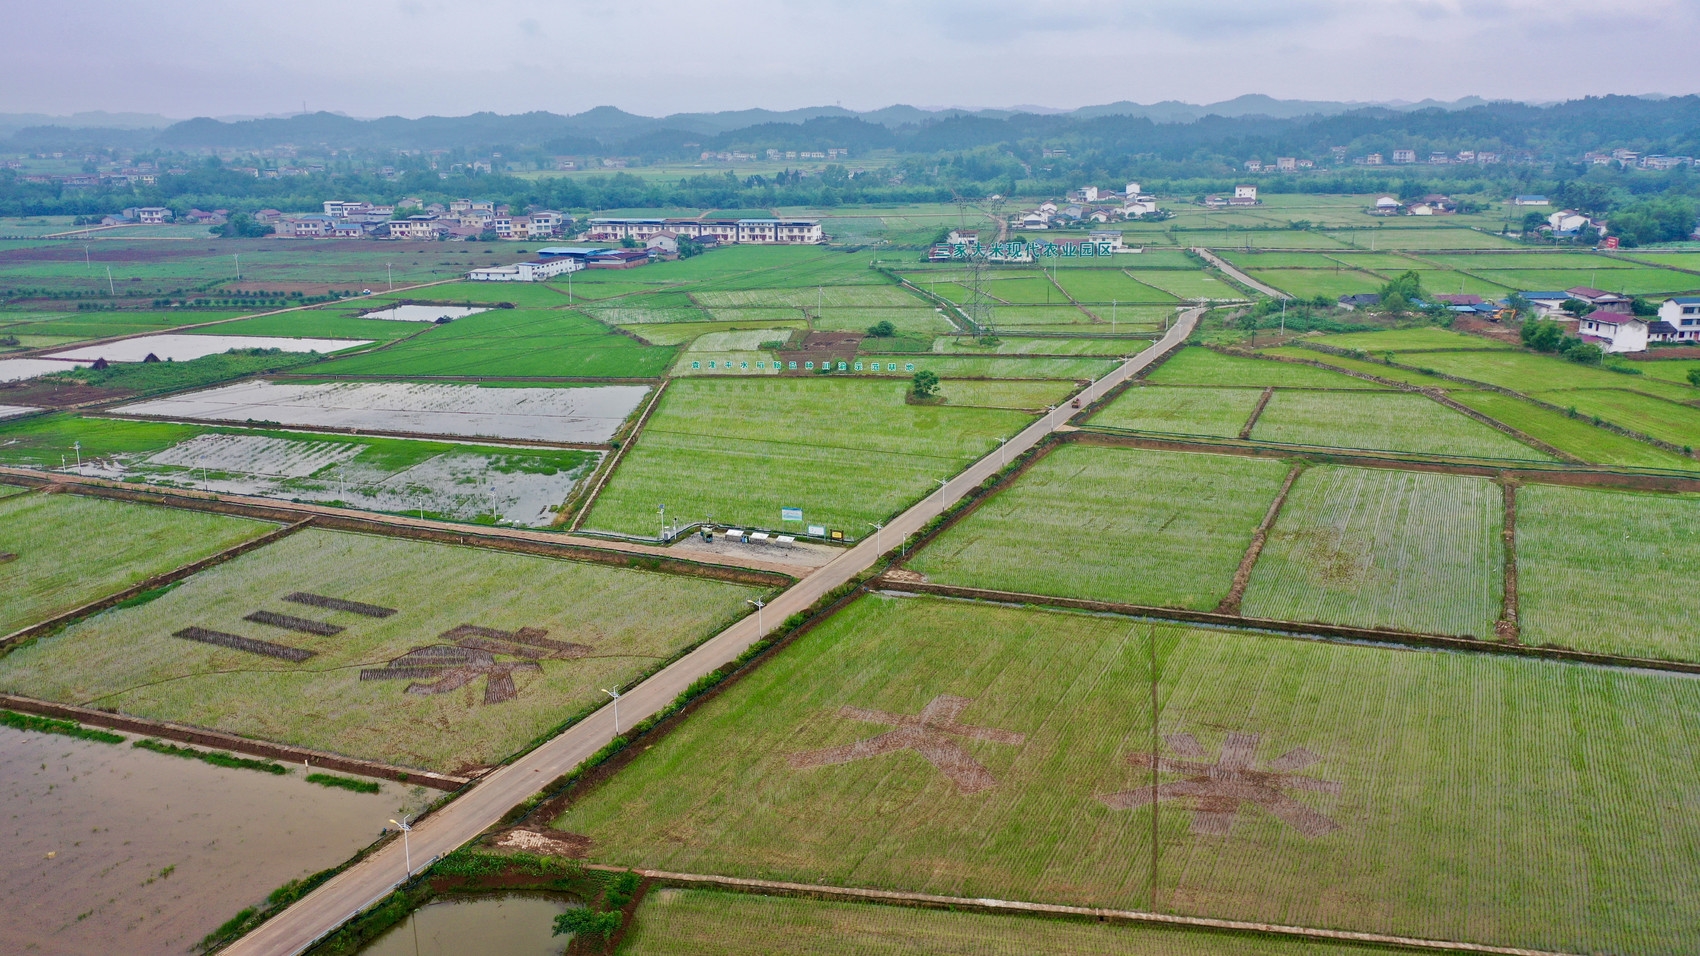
(1182, 410)
(1593, 568)
(1383, 421)
(1112, 524)
(1201, 366)
(147, 378)
(1307, 283)
(1469, 803)
(1639, 280)
(682, 333)
(50, 725)
(514, 342)
(73, 550)
(1366, 365)
(1196, 284)
(1666, 370)
(78, 326)
(845, 450)
(1036, 345)
(1374, 548)
(1575, 435)
(1677, 424)
(628, 621)
(1529, 372)
(217, 758)
(344, 783)
(692, 922)
(1424, 338)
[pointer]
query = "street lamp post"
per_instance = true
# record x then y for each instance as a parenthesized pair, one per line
(759, 603)
(407, 851)
(615, 693)
(1003, 452)
(943, 482)
(876, 526)
(78, 447)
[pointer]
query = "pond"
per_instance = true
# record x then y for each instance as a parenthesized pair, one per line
(509, 925)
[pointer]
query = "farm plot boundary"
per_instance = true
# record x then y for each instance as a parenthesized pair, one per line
(1557, 474)
(157, 581)
(495, 539)
(320, 759)
(1054, 910)
(344, 430)
(1308, 630)
(1473, 383)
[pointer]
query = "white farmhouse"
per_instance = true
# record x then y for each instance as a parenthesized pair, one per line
(1614, 331)
(1682, 314)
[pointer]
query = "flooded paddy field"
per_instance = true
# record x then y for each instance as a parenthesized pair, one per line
(13, 411)
(520, 486)
(422, 313)
(184, 348)
(111, 849)
(583, 415)
(17, 370)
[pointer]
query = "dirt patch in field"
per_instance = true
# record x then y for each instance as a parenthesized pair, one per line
(1217, 792)
(906, 576)
(574, 846)
(7, 556)
(42, 394)
(337, 604)
(927, 733)
(238, 643)
(289, 622)
(442, 668)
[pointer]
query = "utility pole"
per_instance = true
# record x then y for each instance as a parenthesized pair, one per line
(238, 258)
(389, 270)
(110, 288)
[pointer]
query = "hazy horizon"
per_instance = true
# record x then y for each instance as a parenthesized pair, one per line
(450, 57)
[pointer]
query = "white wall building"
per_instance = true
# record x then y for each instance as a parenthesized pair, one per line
(1682, 314)
(1614, 331)
(527, 271)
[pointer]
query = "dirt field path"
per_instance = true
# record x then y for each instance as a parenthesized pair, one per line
(482, 805)
(1239, 276)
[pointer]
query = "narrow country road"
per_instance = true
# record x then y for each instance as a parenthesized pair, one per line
(1239, 276)
(483, 804)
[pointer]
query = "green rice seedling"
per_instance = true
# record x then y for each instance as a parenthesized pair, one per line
(1113, 524)
(1592, 566)
(1373, 548)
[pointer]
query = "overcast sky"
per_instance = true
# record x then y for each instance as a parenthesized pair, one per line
(448, 57)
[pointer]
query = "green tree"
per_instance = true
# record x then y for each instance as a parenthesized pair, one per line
(1641, 307)
(588, 922)
(1586, 353)
(242, 226)
(1543, 336)
(1532, 223)
(1576, 307)
(925, 384)
(883, 329)
(1694, 376)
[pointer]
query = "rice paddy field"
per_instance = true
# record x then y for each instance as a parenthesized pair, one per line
(72, 550)
(479, 651)
(483, 484)
(1578, 436)
(1201, 366)
(146, 265)
(1390, 549)
(1448, 796)
(513, 343)
(1660, 418)
(1593, 567)
(1383, 421)
(1112, 524)
(691, 922)
(1216, 411)
(847, 451)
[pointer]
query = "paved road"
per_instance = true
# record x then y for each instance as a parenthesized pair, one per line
(483, 804)
(1241, 277)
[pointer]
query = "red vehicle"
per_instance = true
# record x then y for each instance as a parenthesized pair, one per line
(1074, 404)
